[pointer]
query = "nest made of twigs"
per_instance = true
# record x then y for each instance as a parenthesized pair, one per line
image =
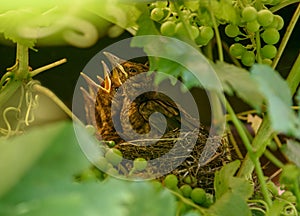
(180, 155)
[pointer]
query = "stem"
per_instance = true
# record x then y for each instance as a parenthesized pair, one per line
(22, 60)
(286, 36)
(240, 129)
(282, 5)
(262, 182)
(258, 47)
(188, 201)
(273, 159)
(294, 77)
(252, 154)
(183, 20)
(47, 67)
(265, 132)
(56, 100)
(217, 33)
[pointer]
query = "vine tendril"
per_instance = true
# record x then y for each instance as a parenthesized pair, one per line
(24, 110)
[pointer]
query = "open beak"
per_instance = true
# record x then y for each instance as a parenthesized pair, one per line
(116, 62)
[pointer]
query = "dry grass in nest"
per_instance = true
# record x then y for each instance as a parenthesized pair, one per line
(185, 153)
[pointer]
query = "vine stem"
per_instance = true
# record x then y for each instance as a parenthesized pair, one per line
(47, 67)
(252, 154)
(57, 101)
(258, 47)
(217, 33)
(265, 132)
(283, 4)
(286, 36)
(22, 62)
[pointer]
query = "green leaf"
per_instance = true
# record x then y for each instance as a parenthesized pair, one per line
(231, 204)
(120, 12)
(225, 182)
(48, 188)
(146, 24)
(156, 203)
(238, 81)
(12, 21)
(292, 151)
(279, 99)
(19, 153)
(178, 53)
(225, 11)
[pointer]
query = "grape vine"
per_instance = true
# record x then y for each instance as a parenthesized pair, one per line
(251, 24)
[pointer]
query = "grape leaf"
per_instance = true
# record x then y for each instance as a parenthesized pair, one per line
(48, 187)
(225, 182)
(225, 11)
(292, 151)
(279, 99)
(231, 192)
(237, 80)
(18, 154)
(230, 204)
(10, 24)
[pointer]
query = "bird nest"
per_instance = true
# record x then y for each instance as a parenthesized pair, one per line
(183, 156)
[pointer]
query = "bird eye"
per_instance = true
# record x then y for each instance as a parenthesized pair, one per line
(132, 70)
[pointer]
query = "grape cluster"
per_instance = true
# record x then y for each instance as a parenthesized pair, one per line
(255, 21)
(195, 194)
(197, 27)
(252, 22)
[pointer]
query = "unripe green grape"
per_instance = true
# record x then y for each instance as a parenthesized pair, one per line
(157, 14)
(198, 195)
(237, 50)
(168, 28)
(280, 22)
(157, 185)
(249, 13)
(248, 58)
(180, 29)
(201, 41)
(110, 144)
(185, 14)
(252, 26)
(114, 156)
(267, 61)
(232, 30)
(186, 190)
(195, 32)
(171, 181)
(270, 36)
(208, 201)
(140, 164)
(206, 32)
(269, 51)
(265, 17)
(190, 180)
(277, 23)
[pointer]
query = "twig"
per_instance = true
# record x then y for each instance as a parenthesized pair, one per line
(47, 67)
